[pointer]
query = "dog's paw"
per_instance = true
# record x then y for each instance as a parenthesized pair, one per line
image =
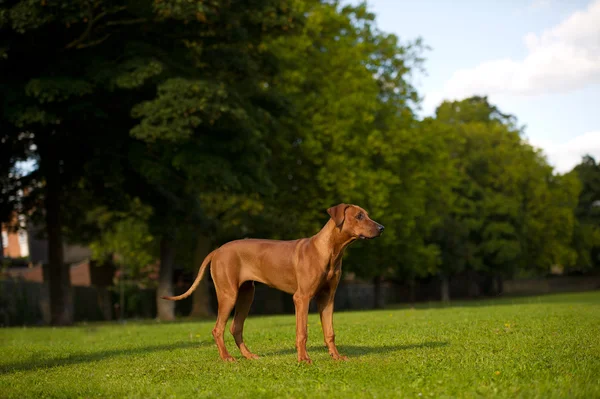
(305, 360)
(335, 356)
(228, 359)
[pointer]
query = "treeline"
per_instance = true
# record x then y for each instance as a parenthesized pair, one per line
(161, 129)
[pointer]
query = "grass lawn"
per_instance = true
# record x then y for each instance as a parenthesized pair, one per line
(539, 347)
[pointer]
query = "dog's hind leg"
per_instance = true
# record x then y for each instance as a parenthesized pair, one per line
(242, 307)
(226, 304)
(226, 297)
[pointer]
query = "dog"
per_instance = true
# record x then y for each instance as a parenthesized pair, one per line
(306, 268)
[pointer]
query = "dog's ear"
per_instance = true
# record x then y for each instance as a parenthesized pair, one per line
(338, 213)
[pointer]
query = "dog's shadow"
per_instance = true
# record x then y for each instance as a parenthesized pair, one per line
(86, 357)
(360, 350)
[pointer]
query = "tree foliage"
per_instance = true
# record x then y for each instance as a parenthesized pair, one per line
(586, 238)
(155, 100)
(154, 122)
(509, 212)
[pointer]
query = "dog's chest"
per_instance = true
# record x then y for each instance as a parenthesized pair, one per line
(334, 268)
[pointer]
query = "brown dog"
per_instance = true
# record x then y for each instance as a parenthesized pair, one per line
(307, 268)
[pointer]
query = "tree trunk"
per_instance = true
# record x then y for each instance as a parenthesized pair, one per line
(45, 295)
(102, 274)
(165, 309)
(61, 297)
(1, 247)
(120, 307)
(445, 289)
(200, 297)
(105, 303)
(377, 293)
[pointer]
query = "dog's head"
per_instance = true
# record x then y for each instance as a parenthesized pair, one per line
(355, 221)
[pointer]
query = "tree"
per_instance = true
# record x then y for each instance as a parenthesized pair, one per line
(66, 106)
(82, 73)
(208, 125)
(47, 90)
(586, 238)
(353, 136)
(509, 213)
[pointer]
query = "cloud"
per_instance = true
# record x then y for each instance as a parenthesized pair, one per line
(561, 59)
(564, 156)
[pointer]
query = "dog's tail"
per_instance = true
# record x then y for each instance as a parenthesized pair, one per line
(196, 282)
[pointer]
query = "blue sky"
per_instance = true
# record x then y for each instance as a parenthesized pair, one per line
(536, 59)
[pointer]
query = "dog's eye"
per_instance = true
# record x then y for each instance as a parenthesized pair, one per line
(360, 216)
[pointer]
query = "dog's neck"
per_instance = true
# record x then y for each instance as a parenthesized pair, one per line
(335, 238)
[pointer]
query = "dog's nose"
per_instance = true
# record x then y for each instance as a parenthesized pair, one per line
(380, 227)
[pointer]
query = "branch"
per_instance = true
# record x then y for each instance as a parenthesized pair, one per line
(127, 22)
(88, 30)
(95, 42)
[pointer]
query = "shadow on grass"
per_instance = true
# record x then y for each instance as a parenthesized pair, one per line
(86, 357)
(359, 350)
(587, 297)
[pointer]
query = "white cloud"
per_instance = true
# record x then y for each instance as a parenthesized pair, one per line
(564, 156)
(561, 59)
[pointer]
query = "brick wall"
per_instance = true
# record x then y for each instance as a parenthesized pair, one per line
(15, 244)
(80, 274)
(10, 244)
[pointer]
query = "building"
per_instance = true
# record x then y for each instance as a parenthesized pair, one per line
(15, 242)
(27, 253)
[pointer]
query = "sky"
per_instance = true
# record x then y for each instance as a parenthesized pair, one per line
(536, 59)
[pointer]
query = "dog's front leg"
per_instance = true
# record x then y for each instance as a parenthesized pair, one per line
(325, 301)
(301, 303)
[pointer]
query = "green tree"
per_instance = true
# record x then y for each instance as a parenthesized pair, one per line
(508, 213)
(189, 81)
(124, 235)
(352, 136)
(586, 239)
(208, 125)
(50, 113)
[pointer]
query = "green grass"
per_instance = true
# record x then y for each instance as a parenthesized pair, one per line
(539, 347)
